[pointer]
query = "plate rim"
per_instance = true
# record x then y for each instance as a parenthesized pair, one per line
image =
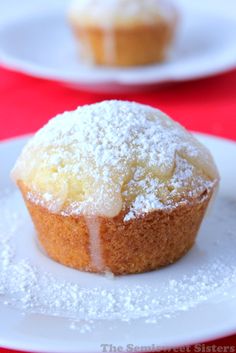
(17, 138)
(196, 338)
(37, 348)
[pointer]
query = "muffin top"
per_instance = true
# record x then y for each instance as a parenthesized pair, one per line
(113, 157)
(105, 13)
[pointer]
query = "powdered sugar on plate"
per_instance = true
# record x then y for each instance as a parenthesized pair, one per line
(34, 284)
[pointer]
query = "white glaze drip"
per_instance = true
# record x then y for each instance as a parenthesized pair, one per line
(86, 49)
(93, 226)
(109, 46)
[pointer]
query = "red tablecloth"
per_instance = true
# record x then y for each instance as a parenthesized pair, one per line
(207, 105)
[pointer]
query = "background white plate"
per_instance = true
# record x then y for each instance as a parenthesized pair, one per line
(41, 44)
(211, 314)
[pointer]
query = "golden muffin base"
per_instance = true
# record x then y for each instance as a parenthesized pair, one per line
(143, 244)
(131, 46)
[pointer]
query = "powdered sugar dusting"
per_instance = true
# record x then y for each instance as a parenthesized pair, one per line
(181, 180)
(113, 156)
(106, 13)
(208, 273)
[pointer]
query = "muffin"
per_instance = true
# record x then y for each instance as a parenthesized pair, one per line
(123, 32)
(116, 186)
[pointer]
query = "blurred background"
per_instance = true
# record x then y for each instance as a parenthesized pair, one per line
(14, 8)
(205, 104)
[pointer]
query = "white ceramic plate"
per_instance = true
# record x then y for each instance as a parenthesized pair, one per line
(42, 45)
(46, 307)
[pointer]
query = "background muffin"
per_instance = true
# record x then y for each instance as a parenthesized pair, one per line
(116, 186)
(123, 32)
